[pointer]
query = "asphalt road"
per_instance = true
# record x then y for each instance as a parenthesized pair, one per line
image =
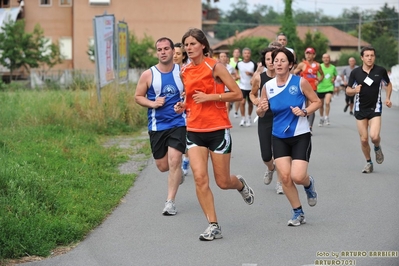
(356, 213)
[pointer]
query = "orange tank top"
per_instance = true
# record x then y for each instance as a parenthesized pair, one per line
(207, 116)
(310, 73)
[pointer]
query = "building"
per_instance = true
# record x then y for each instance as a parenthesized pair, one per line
(70, 22)
(338, 41)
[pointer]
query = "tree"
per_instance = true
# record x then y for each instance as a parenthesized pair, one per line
(382, 34)
(15, 43)
(317, 41)
(27, 50)
(343, 59)
(288, 25)
(47, 55)
(256, 44)
(141, 52)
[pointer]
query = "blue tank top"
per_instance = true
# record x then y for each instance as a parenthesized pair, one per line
(285, 123)
(166, 85)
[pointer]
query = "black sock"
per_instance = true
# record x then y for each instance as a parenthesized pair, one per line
(298, 209)
(369, 161)
(215, 223)
(308, 186)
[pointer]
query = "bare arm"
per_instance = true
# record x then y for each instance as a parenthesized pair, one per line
(313, 99)
(140, 95)
(321, 74)
(298, 69)
(253, 95)
(263, 104)
(388, 91)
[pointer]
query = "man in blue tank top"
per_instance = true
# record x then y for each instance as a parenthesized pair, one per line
(159, 89)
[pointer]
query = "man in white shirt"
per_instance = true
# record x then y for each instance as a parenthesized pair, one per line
(246, 69)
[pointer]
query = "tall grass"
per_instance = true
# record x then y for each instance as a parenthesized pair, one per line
(57, 181)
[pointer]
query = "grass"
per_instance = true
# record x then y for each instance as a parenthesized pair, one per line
(57, 180)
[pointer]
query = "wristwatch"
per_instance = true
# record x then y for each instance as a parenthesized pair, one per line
(305, 112)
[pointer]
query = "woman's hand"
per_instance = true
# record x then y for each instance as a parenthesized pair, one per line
(263, 106)
(200, 97)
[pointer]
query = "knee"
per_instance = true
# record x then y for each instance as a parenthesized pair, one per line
(298, 179)
(222, 184)
(374, 138)
(163, 168)
(364, 141)
(286, 179)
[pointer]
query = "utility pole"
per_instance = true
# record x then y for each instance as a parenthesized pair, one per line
(359, 37)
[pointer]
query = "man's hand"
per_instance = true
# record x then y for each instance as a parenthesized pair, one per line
(358, 88)
(159, 102)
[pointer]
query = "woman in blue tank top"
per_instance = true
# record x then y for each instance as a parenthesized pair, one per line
(286, 95)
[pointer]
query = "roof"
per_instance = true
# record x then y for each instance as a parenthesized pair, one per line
(335, 36)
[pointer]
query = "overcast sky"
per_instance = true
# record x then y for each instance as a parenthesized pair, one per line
(330, 7)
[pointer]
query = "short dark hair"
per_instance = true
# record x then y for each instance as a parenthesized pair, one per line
(366, 48)
(263, 54)
(165, 39)
(290, 56)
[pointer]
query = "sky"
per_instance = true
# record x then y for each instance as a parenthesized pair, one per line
(332, 8)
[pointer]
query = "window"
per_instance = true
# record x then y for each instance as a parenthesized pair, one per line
(4, 3)
(66, 48)
(45, 2)
(335, 48)
(65, 2)
(99, 2)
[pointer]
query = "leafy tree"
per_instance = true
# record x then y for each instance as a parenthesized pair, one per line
(382, 34)
(288, 25)
(317, 41)
(236, 20)
(141, 52)
(15, 44)
(47, 55)
(27, 50)
(256, 44)
(343, 59)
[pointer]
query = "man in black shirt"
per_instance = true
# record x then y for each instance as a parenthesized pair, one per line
(365, 83)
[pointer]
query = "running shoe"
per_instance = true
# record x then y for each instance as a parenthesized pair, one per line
(346, 108)
(235, 115)
(379, 156)
(327, 121)
(247, 193)
(170, 208)
(351, 113)
(248, 122)
(297, 219)
(279, 188)
(212, 232)
(311, 193)
(242, 123)
(368, 168)
(321, 122)
(268, 177)
(185, 165)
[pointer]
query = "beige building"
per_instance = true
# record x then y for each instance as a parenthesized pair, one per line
(70, 22)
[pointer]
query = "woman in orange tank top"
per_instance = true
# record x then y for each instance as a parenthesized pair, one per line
(208, 126)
